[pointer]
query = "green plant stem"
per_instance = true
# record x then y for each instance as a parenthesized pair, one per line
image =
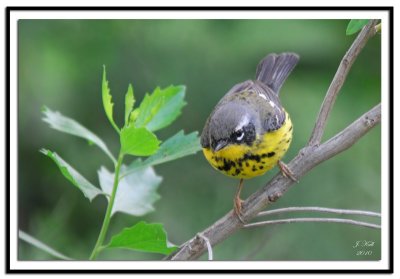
(97, 248)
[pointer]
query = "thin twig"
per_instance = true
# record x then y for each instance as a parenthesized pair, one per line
(345, 65)
(40, 245)
(318, 209)
(319, 220)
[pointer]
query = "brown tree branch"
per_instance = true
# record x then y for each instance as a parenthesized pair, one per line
(344, 67)
(309, 157)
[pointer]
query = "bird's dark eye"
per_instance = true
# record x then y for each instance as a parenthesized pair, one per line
(238, 135)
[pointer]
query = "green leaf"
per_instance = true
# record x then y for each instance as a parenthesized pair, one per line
(41, 246)
(138, 141)
(143, 237)
(161, 108)
(170, 109)
(134, 114)
(177, 146)
(88, 189)
(129, 103)
(356, 25)
(107, 100)
(136, 192)
(67, 125)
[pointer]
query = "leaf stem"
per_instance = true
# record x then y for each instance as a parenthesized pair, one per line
(99, 244)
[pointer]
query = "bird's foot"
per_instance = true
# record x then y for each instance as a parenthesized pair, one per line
(286, 171)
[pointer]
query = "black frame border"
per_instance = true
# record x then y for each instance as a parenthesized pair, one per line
(8, 11)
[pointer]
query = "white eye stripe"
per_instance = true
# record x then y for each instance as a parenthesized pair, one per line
(244, 122)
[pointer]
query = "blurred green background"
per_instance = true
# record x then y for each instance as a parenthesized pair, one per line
(60, 66)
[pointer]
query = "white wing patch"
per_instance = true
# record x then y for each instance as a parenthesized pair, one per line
(263, 96)
(272, 104)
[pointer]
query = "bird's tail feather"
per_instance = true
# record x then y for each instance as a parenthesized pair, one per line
(275, 68)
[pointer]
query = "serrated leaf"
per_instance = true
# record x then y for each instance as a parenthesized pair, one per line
(355, 25)
(88, 189)
(143, 237)
(138, 141)
(170, 109)
(177, 146)
(107, 100)
(134, 114)
(67, 125)
(149, 105)
(161, 108)
(136, 192)
(129, 103)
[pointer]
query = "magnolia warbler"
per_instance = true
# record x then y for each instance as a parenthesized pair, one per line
(249, 131)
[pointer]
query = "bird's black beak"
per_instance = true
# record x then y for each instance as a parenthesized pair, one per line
(216, 146)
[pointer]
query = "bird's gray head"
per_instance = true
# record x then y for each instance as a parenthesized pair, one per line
(230, 123)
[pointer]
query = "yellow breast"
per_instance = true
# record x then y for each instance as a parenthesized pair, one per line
(243, 161)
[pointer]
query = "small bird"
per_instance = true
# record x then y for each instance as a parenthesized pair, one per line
(249, 131)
